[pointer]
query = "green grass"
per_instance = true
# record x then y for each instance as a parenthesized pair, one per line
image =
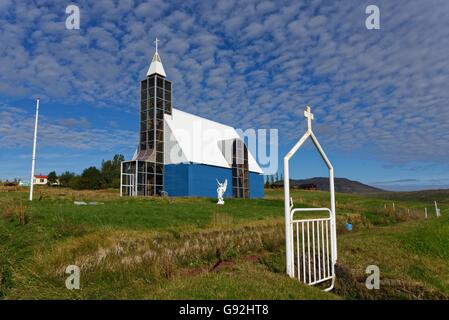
(153, 213)
(243, 281)
(412, 257)
(429, 239)
(136, 248)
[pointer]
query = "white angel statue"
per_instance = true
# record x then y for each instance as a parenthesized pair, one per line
(221, 189)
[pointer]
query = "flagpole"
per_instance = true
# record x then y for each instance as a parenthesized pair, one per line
(33, 159)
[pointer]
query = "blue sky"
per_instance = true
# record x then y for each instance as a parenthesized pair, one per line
(380, 97)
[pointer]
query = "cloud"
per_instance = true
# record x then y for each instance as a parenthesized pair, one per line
(397, 181)
(248, 64)
(73, 122)
(17, 127)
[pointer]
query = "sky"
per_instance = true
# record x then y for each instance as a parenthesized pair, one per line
(380, 97)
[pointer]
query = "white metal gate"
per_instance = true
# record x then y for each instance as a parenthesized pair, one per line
(312, 251)
(310, 244)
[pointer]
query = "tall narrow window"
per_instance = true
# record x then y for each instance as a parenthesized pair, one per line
(239, 169)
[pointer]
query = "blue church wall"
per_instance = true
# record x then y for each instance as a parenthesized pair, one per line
(256, 185)
(202, 181)
(199, 180)
(176, 179)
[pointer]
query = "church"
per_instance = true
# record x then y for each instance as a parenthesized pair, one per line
(181, 154)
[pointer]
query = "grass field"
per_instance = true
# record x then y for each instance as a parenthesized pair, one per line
(161, 248)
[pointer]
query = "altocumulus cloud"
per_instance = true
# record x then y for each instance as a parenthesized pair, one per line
(16, 130)
(246, 63)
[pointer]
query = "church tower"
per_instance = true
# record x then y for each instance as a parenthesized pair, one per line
(155, 101)
(147, 166)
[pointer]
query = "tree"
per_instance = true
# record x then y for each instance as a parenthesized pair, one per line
(52, 178)
(91, 179)
(64, 179)
(110, 171)
(75, 183)
(267, 181)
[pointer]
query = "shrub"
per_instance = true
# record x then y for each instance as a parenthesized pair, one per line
(75, 183)
(110, 171)
(52, 178)
(65, 178)
(91, 178)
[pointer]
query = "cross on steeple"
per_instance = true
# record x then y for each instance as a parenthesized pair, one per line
(156, 42)
(156, 63)
(309, 115)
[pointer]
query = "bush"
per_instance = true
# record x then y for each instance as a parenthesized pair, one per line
(75, 183)
(91, 178)
(64, 179)
(52, 178)
(110, 171)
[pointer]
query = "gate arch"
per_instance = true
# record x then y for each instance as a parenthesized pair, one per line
(315, 258)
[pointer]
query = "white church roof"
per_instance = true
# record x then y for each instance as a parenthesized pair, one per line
(156, 66)
(190, 138)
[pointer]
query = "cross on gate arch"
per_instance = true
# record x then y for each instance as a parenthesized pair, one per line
(316, 239)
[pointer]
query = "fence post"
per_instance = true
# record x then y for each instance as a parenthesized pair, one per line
(437, 211)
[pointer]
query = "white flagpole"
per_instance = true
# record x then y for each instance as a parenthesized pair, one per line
(33, 159)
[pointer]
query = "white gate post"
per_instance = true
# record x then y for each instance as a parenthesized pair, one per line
(287, 210)
(334, 220)
(288, 248)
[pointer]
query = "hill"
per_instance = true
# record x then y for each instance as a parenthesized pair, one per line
(429, 196)
(342, 185)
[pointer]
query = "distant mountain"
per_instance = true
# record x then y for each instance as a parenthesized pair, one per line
(321, 183)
